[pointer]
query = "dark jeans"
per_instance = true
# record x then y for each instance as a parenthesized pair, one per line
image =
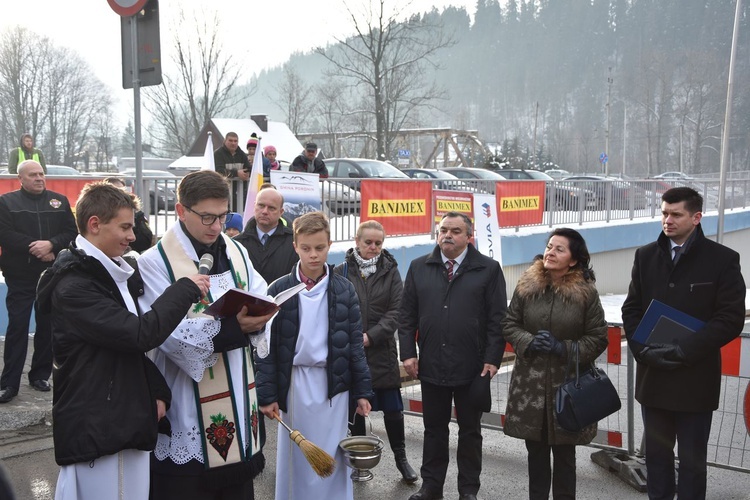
(20, 301)
(562, 475)
(436, 406)
(691, 430)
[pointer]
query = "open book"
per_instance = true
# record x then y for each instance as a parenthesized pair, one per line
(232, 302)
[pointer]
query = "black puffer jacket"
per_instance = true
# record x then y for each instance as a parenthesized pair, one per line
(26, 217)
(346, 364)
(379, 301)
(105, 386)
(457, 324)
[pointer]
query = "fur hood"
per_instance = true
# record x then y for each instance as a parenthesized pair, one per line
(572, 289)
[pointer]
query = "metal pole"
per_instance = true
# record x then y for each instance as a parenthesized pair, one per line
(606, 139)
(727, 126)
(630, 387)
(624, 136)
(137, 111)
(533, 151)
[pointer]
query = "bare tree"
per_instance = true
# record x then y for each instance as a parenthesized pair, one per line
(201, 86)
(294, 98)
(387, 60)
(49, 92)
(332, 110)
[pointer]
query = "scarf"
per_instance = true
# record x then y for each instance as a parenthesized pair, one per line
(366, 267)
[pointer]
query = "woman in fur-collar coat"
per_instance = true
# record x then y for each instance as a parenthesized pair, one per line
(554, 304)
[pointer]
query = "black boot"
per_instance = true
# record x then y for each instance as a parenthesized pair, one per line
(394, 427)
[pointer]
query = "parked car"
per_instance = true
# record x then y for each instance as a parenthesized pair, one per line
(339, 199)
(564, 197)
(487, 177)
(361, 168)
(557, 173)
(161, 192)
(447, 180)
(673, 176)
(620, 192)
(61, 170)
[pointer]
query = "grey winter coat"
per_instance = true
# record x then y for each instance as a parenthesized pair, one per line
(570, 310)
(379, 301)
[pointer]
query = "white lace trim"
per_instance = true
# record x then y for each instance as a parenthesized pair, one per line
(181, 448)
(195, 345)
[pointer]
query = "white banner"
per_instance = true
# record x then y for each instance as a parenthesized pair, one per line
(486, 228)
(301, 192)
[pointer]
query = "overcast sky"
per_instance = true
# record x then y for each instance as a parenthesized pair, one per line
(262, 32)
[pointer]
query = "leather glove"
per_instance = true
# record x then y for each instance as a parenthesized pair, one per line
(549, 344)
(664, 356)
(535, 346)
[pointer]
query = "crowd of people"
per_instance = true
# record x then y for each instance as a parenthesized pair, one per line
(154, 398)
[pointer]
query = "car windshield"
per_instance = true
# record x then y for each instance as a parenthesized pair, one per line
(486, 174)
(535, 174)
(443, 175)
(382, 170)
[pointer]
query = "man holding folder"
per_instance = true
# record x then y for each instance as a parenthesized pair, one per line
(678, 383)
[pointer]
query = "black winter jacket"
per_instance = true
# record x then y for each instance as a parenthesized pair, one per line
(238, 160)
(27, 217)
(346, 366)
(105, 388)
(706, 282)
(457, 324)
(274, 259)
(302, 164)
(379, 302)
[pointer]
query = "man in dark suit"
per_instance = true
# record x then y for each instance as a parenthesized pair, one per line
(269, 242)
(455, 299)
(678, 384)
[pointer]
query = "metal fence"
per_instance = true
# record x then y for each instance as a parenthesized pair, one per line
(613, 200)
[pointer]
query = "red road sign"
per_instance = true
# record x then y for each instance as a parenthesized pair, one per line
(127, 8)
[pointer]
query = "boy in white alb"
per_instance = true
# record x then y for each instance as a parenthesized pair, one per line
(316, 363)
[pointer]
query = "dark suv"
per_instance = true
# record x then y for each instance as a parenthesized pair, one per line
(565, 197)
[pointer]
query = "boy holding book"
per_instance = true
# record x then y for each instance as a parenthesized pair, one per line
(316, 363)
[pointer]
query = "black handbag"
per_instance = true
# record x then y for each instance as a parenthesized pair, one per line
(585, 399)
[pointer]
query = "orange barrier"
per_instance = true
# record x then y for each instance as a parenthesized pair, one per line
(69, 186)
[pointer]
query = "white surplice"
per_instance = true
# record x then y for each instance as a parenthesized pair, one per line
(322, 421)
(185, 355)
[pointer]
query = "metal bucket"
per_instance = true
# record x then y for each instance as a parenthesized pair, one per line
(362, 453)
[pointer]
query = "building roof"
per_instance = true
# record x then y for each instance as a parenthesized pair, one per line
(277, 134)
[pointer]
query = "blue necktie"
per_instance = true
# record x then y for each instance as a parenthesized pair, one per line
(264, 239)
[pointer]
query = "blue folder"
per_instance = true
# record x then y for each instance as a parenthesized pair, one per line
(663, 324)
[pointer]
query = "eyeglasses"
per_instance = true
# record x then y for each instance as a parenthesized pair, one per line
(209, 219)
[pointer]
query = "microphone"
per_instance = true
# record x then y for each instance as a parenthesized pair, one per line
(206, 263)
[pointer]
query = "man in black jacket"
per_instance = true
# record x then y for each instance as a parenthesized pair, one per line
(35, 224)
(452, 307)
(678, 384)
(269, 243)
(231, 162)
(309, 162)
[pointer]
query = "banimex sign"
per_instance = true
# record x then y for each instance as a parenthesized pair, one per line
(520, 202)
(403, 207)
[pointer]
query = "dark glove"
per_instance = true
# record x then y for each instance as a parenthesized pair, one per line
(536, 345)
(549, 344)
(664, 356)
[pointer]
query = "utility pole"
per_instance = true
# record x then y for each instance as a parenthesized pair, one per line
(606, 137)
(533, 151)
